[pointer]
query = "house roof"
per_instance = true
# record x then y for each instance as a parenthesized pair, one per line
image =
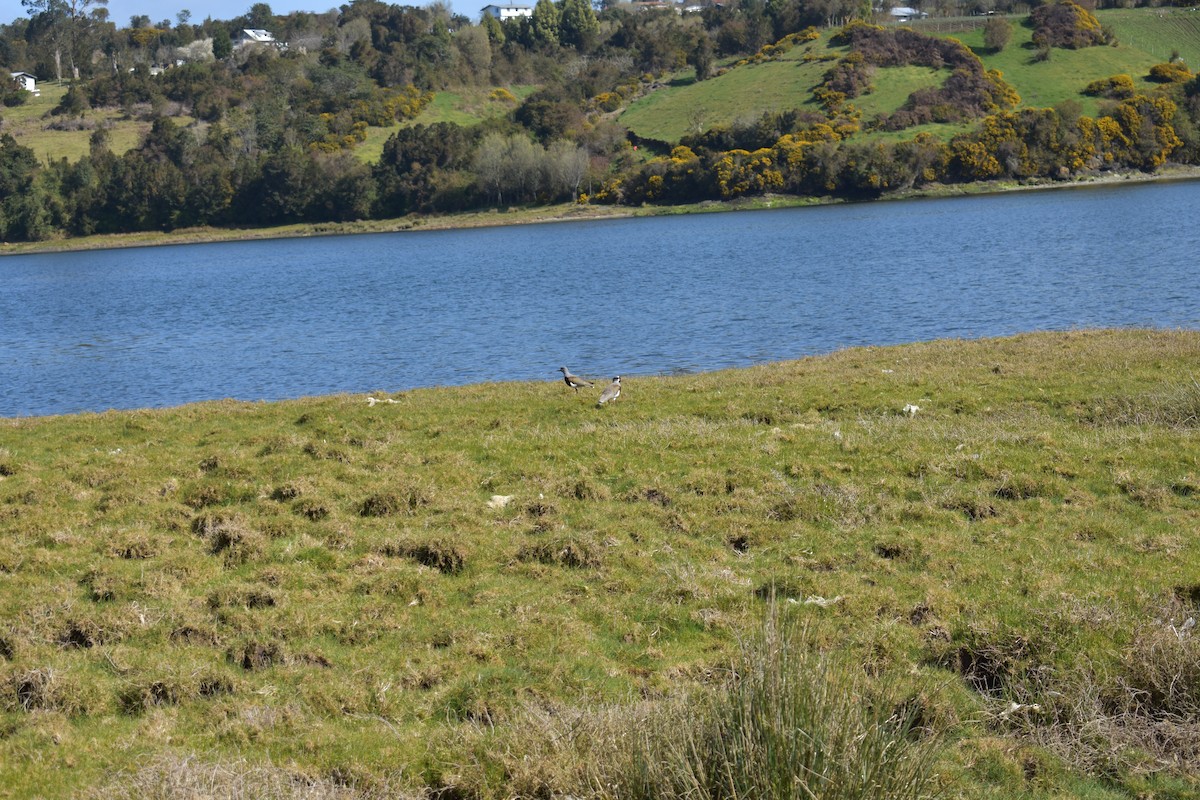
(506, 5)
(258, 34)
(23, 75)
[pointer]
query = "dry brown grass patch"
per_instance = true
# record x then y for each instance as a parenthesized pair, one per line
(173, 776)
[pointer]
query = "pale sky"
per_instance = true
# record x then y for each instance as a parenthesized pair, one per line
(119, 11)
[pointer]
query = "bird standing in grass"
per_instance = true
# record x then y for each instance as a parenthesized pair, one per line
(611, 392)
(574, 381)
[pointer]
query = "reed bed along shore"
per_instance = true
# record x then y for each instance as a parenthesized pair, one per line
(956, 568)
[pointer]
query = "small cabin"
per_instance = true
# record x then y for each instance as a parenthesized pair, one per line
(28, 82)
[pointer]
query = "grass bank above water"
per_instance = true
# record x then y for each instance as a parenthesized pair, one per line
(506, 590)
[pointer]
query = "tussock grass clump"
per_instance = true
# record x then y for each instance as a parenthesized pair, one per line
(142, 693)
(446, 556)
(1161, 673)
(288, 491)
(541, 510)
(136, 546)
(255, 654)
(102, 585)
(586, 488)
(49, 689)
(1177, 407)
(899, 548)
(708, 482)
(1144, 490)
(974, 504)
(791, 721)
(575, 550)
(1002, 662)
(1140, 714)
(311, 509)
(90, 629)
(230, 535)
(206, 494)
(405, 500)
(798, 722)
(244, 596)
(196, 634)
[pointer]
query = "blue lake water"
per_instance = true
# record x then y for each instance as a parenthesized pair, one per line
(152, 327)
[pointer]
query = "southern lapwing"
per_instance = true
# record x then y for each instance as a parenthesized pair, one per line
(574, 381)
(611, 392)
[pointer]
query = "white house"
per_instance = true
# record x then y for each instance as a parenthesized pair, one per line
(28, 82)
(906, 14)
(257, 36)
(504, 12)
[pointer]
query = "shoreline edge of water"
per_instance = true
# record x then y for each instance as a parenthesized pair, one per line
(566, 212)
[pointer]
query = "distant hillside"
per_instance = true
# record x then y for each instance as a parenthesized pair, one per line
(379, 112)
(747, 90)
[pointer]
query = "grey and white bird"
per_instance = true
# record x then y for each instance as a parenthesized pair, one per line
(611, 392)
(574, 381)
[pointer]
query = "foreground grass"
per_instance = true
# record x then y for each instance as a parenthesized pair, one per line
(505, 590)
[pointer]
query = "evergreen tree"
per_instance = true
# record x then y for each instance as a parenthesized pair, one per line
(578, 27)
(495, 30)
(545, 24)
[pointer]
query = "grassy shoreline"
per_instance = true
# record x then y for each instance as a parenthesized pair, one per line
(566, 212)
(488, 590)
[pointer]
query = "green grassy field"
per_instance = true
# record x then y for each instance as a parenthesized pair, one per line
(1068, 72)
(471, 106)
(29, 125)
(501, 590)
(1146, 37)
(741, 93)
(464, 107)
(1159, 31)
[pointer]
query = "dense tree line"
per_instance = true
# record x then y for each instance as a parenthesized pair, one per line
(274, 133)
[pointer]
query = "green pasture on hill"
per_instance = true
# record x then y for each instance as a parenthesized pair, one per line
(741, 93)
(1159, 31)
(464, 107)
(30, 123)
(1145, 37)
(1066, 73)
(497, 590)
(471, 106)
